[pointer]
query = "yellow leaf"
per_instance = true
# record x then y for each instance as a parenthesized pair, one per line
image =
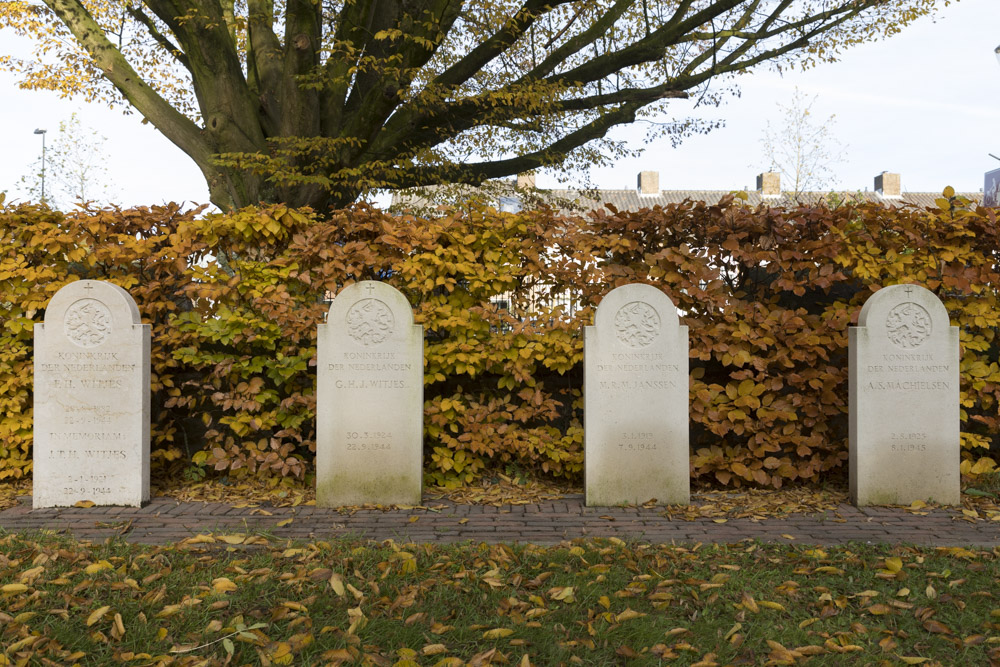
(30, 575)
(434, 649)
(628, 615)
(497, 633)
(94, 568)
(231, 539)
(910, 660)
(84, 503)
(564, 593)
(772, 605)
(337, 584)
(282, 524)
(97, 615)
(168, 611)
(893, 564)
(604, 601)
(281, 654)
(223, 585)
(13, 588)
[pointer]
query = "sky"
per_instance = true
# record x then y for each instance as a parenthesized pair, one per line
(924, 103)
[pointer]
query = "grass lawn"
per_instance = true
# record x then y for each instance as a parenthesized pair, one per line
(249, 599)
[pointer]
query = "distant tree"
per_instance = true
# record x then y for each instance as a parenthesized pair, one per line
(803, 148)
(319, 101)
(75, 168)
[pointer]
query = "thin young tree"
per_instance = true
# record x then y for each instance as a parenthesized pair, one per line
(803, 148)
(75, 168)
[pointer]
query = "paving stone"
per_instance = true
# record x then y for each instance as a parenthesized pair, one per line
(165, 521)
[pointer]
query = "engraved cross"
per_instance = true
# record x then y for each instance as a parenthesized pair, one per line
(88, 286)
(370, 288)
(909, 288)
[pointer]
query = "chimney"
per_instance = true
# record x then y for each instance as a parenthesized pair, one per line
(526, 181)
(769, 184)
(648, 183)
(887, 185)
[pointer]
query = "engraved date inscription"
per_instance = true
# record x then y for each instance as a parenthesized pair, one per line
(636, 441)
(369, 441)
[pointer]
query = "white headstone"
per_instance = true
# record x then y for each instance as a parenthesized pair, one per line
(636, 401)
(904, 390)
(369, 399)
(91, 434)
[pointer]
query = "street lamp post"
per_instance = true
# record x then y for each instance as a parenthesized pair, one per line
(42, 132)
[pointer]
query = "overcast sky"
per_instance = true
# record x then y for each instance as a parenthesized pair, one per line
(925, 104)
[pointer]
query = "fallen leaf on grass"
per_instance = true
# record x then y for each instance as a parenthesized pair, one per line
(97, 615)
(94, 568)
(434, 649)
(562, 593)
(223, 585)
(497, 633)
(937, 627)
(628, 615)
(879, 609)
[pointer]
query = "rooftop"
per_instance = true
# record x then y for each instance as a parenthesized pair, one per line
(887, 191)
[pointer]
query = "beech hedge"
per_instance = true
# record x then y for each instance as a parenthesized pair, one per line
(768, 294)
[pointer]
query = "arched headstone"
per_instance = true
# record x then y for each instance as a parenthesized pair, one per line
(636, 401)
(91, 391)
(369, 399)
(904, 391)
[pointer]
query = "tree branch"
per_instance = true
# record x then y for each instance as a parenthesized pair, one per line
(476, 173)
(174, 125)
(159, 37)
(493, 46)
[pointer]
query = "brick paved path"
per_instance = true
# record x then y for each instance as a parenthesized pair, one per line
(166, 520)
